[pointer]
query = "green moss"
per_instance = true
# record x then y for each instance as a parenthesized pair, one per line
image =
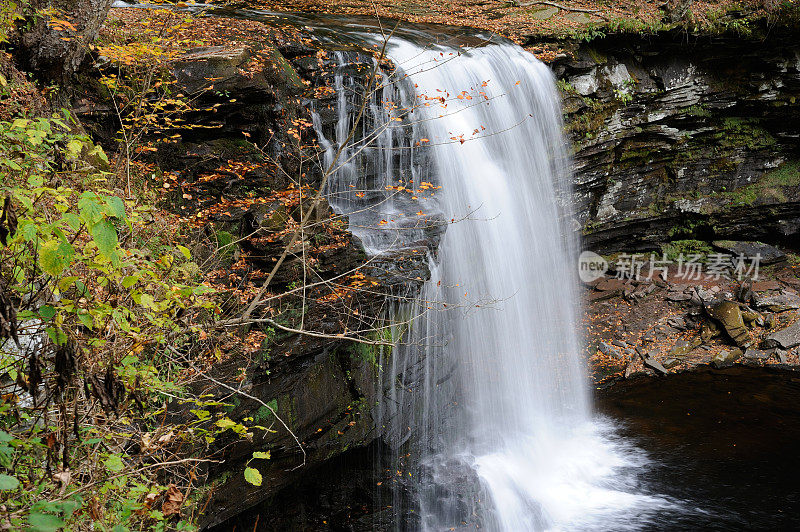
(673, 250)
(697, 110)
(744, 196)
(597, 57)
(786, 175)
(687, 228)
(288, 72)
(737, 132)
(565, 87)
(264, 413)
(592, 121)
(639, 153)
(772, 185)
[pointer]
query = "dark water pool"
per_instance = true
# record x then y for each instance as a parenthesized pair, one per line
(724, 444)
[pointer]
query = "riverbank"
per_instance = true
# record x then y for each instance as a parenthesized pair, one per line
(655, 327)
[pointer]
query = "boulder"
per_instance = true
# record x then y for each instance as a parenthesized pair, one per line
(729, 315)
(677, 322)
(650, 361)
(777, 302)
(762, 286)
(611, 284)
(785, 338)
(210, 67)
(769, 254)
(609, 350)
(726, 358)
(757, 354)
(682, 347)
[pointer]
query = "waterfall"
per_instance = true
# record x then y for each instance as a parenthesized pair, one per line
(489, 390)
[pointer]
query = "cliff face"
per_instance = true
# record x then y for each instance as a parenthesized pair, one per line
(675, 138)
(672, 139)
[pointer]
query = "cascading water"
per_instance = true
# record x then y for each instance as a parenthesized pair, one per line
(489, 387)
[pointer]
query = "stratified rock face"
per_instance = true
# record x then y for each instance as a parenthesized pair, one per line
(675, 139)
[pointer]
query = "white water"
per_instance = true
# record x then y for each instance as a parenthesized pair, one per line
(493, 384)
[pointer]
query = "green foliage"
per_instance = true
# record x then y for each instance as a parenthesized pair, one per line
(100, 322)
(673, 250)
(11, 11)
(565, 87)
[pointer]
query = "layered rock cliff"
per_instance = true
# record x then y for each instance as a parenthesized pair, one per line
(672, 139)
(684, 137)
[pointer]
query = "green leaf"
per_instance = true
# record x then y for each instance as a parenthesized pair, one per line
(129, 281)
(66, 282)
(73, 220)
(261, 454)
(146, 300)
(11, 164)
(113, 463)
(47, 312)
(98, 151)
(252, 475)
(7, 482)
(86, 319)
(226, 423)
(91, 211)
(45, 522)
(69, 507)
(20, 123)
(74, 148)
(29, 231)
(55, 255)
(105, 236)
(115, 207)
(186, 252)
(56, 335)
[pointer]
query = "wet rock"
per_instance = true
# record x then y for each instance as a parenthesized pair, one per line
(670, 363)
(745, 291)
(769, 254)
(620, 344)
(785, 338)
(729, 315)
(650, 362)
(781, 355)
(757, 354)
(211, 67)
(708, 331)
(611, 284)
(677, 323)
(633, 370)
(678, 296)
(600, 296)
(762, 286)
(609, 350)
(649, 336)
(777, 302)
(683, 348)
(726, 358)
